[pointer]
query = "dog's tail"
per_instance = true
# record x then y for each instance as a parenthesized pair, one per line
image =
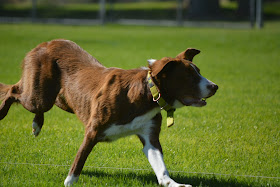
(7, 101)
(4, 89)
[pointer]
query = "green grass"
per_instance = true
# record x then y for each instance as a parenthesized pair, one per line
(237, 133)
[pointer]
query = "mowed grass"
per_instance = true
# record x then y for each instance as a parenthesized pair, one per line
(233, 141)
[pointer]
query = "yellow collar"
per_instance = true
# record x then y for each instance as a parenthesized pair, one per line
(161, 102)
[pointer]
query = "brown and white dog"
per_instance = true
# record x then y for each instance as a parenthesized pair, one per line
(111, 102)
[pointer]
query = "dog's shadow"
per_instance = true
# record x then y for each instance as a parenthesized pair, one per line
(150, 178)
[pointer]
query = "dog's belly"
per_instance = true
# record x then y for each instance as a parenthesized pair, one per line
(139, 125)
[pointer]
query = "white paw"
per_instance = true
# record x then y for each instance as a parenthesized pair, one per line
(35, 129)
(70, 180)
(168, 182)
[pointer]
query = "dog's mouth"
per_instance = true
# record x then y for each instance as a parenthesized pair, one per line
(192, 101)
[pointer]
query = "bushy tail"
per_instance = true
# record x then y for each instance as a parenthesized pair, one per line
(4, 89)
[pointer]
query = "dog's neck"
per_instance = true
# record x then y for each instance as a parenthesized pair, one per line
(160, 100)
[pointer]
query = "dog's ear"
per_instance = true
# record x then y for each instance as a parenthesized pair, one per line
(156, 66)
(188, 54)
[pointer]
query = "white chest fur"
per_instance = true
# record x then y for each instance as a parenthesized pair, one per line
(140, 125)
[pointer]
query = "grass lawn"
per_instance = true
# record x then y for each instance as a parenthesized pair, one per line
(232, 141)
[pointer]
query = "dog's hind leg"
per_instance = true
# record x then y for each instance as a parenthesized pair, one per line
(37, 124)
(40, 85)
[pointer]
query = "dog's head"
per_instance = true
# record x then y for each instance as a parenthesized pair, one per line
(180, 81)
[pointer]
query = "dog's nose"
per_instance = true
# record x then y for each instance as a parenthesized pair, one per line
(213, 87)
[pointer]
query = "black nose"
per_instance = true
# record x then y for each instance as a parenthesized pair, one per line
(213, 87)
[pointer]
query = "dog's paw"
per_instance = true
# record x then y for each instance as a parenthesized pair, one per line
(184, 185)
(168, 182)
(70, 180)
(175, 184)
(35, 129)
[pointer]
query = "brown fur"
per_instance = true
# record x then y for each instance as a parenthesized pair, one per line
(60, 72)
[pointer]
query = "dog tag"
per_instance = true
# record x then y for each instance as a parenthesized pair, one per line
(170, 117)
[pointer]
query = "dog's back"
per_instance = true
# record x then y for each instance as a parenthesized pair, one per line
(45, 71)
(62, 73)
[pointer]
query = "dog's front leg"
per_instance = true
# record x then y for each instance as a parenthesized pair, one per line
(88, 143)
(153, 152)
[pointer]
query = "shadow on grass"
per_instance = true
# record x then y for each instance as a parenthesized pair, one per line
(150, 178)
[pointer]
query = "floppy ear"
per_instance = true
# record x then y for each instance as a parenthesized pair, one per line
(157, 66)
(188, 54)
